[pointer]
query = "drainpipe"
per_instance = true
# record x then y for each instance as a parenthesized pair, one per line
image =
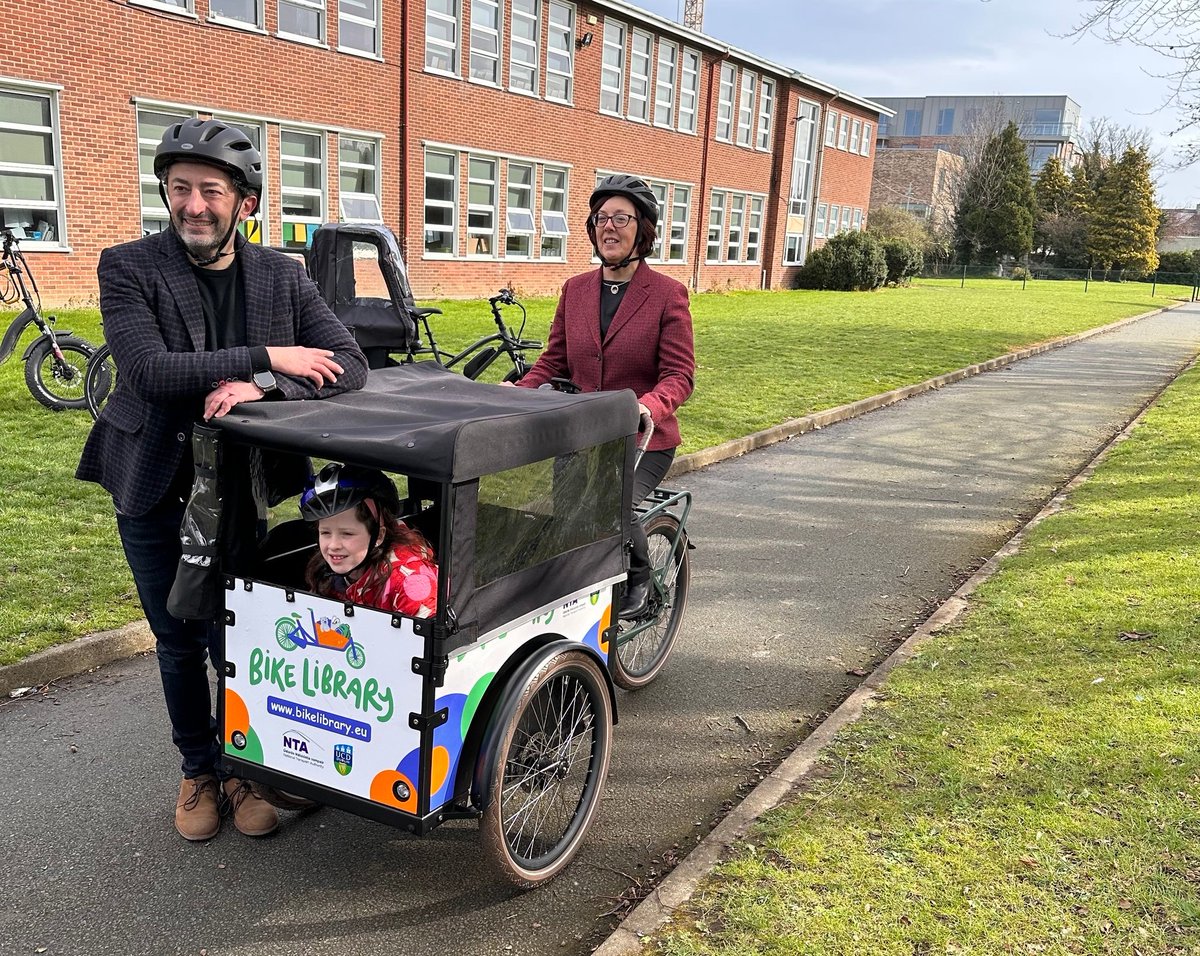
(701, 236)
(403, 130)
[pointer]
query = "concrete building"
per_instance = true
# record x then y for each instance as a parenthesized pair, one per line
(1181, 230)
(475, 129)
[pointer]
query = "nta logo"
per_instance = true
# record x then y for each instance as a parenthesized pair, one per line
(297, 744)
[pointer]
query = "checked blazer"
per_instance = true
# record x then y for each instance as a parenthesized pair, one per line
(154, 322)
(648, 348)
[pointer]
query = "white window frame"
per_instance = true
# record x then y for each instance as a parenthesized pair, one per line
(716, 226)
(726, 87)
(52, 170)
(481, 55)
(527, 65)
(554, 221)
(320, 161)
(855, 133)
(865, 149)
(665, 77)
(735, 227)
(831, 223)
(831, 122)
(317, 7)
(804, 152)
(745, 121)
(452, 204)
(677, 231)
(612, 67)
(256, 132)
(186, 7)
(477, 234)
(257, 24)
(433, 44)
(564, 36)
(857, 225)
(766, 114)
(754, 224)
(847, 218)
(843, 131)
(359, 20)
(689, 90)
(520, 226)
(155, 212)
(376, 170)
(641, 61)
(661, 192)
(819, 220)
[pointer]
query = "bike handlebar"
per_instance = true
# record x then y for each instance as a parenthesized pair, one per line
(504, 297)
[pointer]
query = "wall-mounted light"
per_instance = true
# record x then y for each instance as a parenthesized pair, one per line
(585, 40)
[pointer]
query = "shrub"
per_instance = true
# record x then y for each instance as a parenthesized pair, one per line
(849, 262)
(1176, 262)
(1019, 274)
(904, 260)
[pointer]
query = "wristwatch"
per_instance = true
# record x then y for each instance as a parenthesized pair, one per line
(266, 381)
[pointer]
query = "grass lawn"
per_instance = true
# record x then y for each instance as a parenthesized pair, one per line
(763, 358)
(1030, 783)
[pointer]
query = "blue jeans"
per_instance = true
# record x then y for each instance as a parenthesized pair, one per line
(152, 548)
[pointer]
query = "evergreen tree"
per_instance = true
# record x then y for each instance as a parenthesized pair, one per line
(1052, 194)
(995, 213)
(1124, 221)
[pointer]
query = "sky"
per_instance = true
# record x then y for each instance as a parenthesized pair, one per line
(943, 47)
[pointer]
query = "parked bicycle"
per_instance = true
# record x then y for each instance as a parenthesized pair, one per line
(99, 380)
(55, 362)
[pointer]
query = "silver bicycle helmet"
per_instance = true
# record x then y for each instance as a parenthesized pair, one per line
(215, 143)
(339, 488)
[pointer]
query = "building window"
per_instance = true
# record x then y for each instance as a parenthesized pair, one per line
(945, 123)
(883, 127)
(746, 108)
(518, 216)
(358, 178)
(716, 226)
(857, 224)
(485, 41)
(560, 52)
(803, 159)
(866, 140)
(254, 228)
(441, 36)
(754, 229)
(766, 112)
(725, 103)
(847, 218)
(523, 47)
(612, 72)
(660, 196)
(819, 225)
(358, 26)
(831, 119)
(554, 213)
(831, 227)
(680, 206)
(737, 211)
(664, 88)
(639, 76)
(249, 12)
(441, 203)
(843, 131)
(689, 91)
(912, 122)
(855, 133)
(151, 126)
(302, 184)
(30, 169)
(481, 207)
(304, 19)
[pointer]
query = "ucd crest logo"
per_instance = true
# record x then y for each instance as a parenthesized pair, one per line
(343, 758)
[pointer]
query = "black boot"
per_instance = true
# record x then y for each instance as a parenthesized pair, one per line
(634, 601)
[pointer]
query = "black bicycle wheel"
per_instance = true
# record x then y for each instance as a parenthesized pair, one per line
(515, 374)
(637, 661)
(59, 385)
(550, 775)
(101, 379)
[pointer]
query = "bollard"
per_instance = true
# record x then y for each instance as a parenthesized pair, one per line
(963, 284)
(1153, 284)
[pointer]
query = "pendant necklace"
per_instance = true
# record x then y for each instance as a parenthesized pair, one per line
(615, 287)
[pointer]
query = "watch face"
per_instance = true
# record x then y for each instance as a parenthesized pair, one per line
(264, 380)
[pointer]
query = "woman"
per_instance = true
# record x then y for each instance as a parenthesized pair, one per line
(626, 326)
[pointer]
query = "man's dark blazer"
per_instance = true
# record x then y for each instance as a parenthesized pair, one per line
(648, 348)
(154, 322)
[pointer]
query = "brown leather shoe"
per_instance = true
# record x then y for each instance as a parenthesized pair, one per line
(196, 813)
(252, 815)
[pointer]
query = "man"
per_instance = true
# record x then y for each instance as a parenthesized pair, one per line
(199, 321)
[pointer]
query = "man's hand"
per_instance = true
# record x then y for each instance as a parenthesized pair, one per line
(303, 362)
(220, 400)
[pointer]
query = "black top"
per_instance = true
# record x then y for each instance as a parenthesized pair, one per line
(224, 305)
(611, 294)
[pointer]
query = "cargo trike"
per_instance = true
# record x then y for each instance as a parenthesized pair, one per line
(501, 705)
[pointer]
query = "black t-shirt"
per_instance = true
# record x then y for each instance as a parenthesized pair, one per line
(611, 294)
(224, 305)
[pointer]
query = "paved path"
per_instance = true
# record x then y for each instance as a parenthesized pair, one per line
(813, 556)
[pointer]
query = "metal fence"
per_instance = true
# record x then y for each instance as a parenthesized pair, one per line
(1171, 284)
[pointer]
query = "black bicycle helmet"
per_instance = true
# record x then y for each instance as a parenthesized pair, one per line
(339, 488)
(633, 189)
(216, 143)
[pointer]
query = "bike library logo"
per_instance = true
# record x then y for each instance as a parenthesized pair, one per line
(343, 758)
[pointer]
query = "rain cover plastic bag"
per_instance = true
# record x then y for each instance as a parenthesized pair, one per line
(196, 593)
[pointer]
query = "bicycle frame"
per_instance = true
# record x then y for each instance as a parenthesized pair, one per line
(12, 263)
(659, 501)
(483, 350)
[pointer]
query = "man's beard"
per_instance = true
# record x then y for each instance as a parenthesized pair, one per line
(199, 249)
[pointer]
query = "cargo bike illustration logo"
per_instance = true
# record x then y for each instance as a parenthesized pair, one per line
(329, 633)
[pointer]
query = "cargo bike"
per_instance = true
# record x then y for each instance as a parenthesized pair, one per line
(499, 707)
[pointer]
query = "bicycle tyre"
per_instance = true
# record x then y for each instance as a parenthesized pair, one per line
(53, 386)
(100, 381)
(515, 374)
(285, 627)
(635, 663)
(554, 759)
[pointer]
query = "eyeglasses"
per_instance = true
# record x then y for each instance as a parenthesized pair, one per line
(620, 220)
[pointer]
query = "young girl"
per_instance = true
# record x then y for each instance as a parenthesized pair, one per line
(367, 555)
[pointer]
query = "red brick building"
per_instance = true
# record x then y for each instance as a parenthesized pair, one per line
(475, 129)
